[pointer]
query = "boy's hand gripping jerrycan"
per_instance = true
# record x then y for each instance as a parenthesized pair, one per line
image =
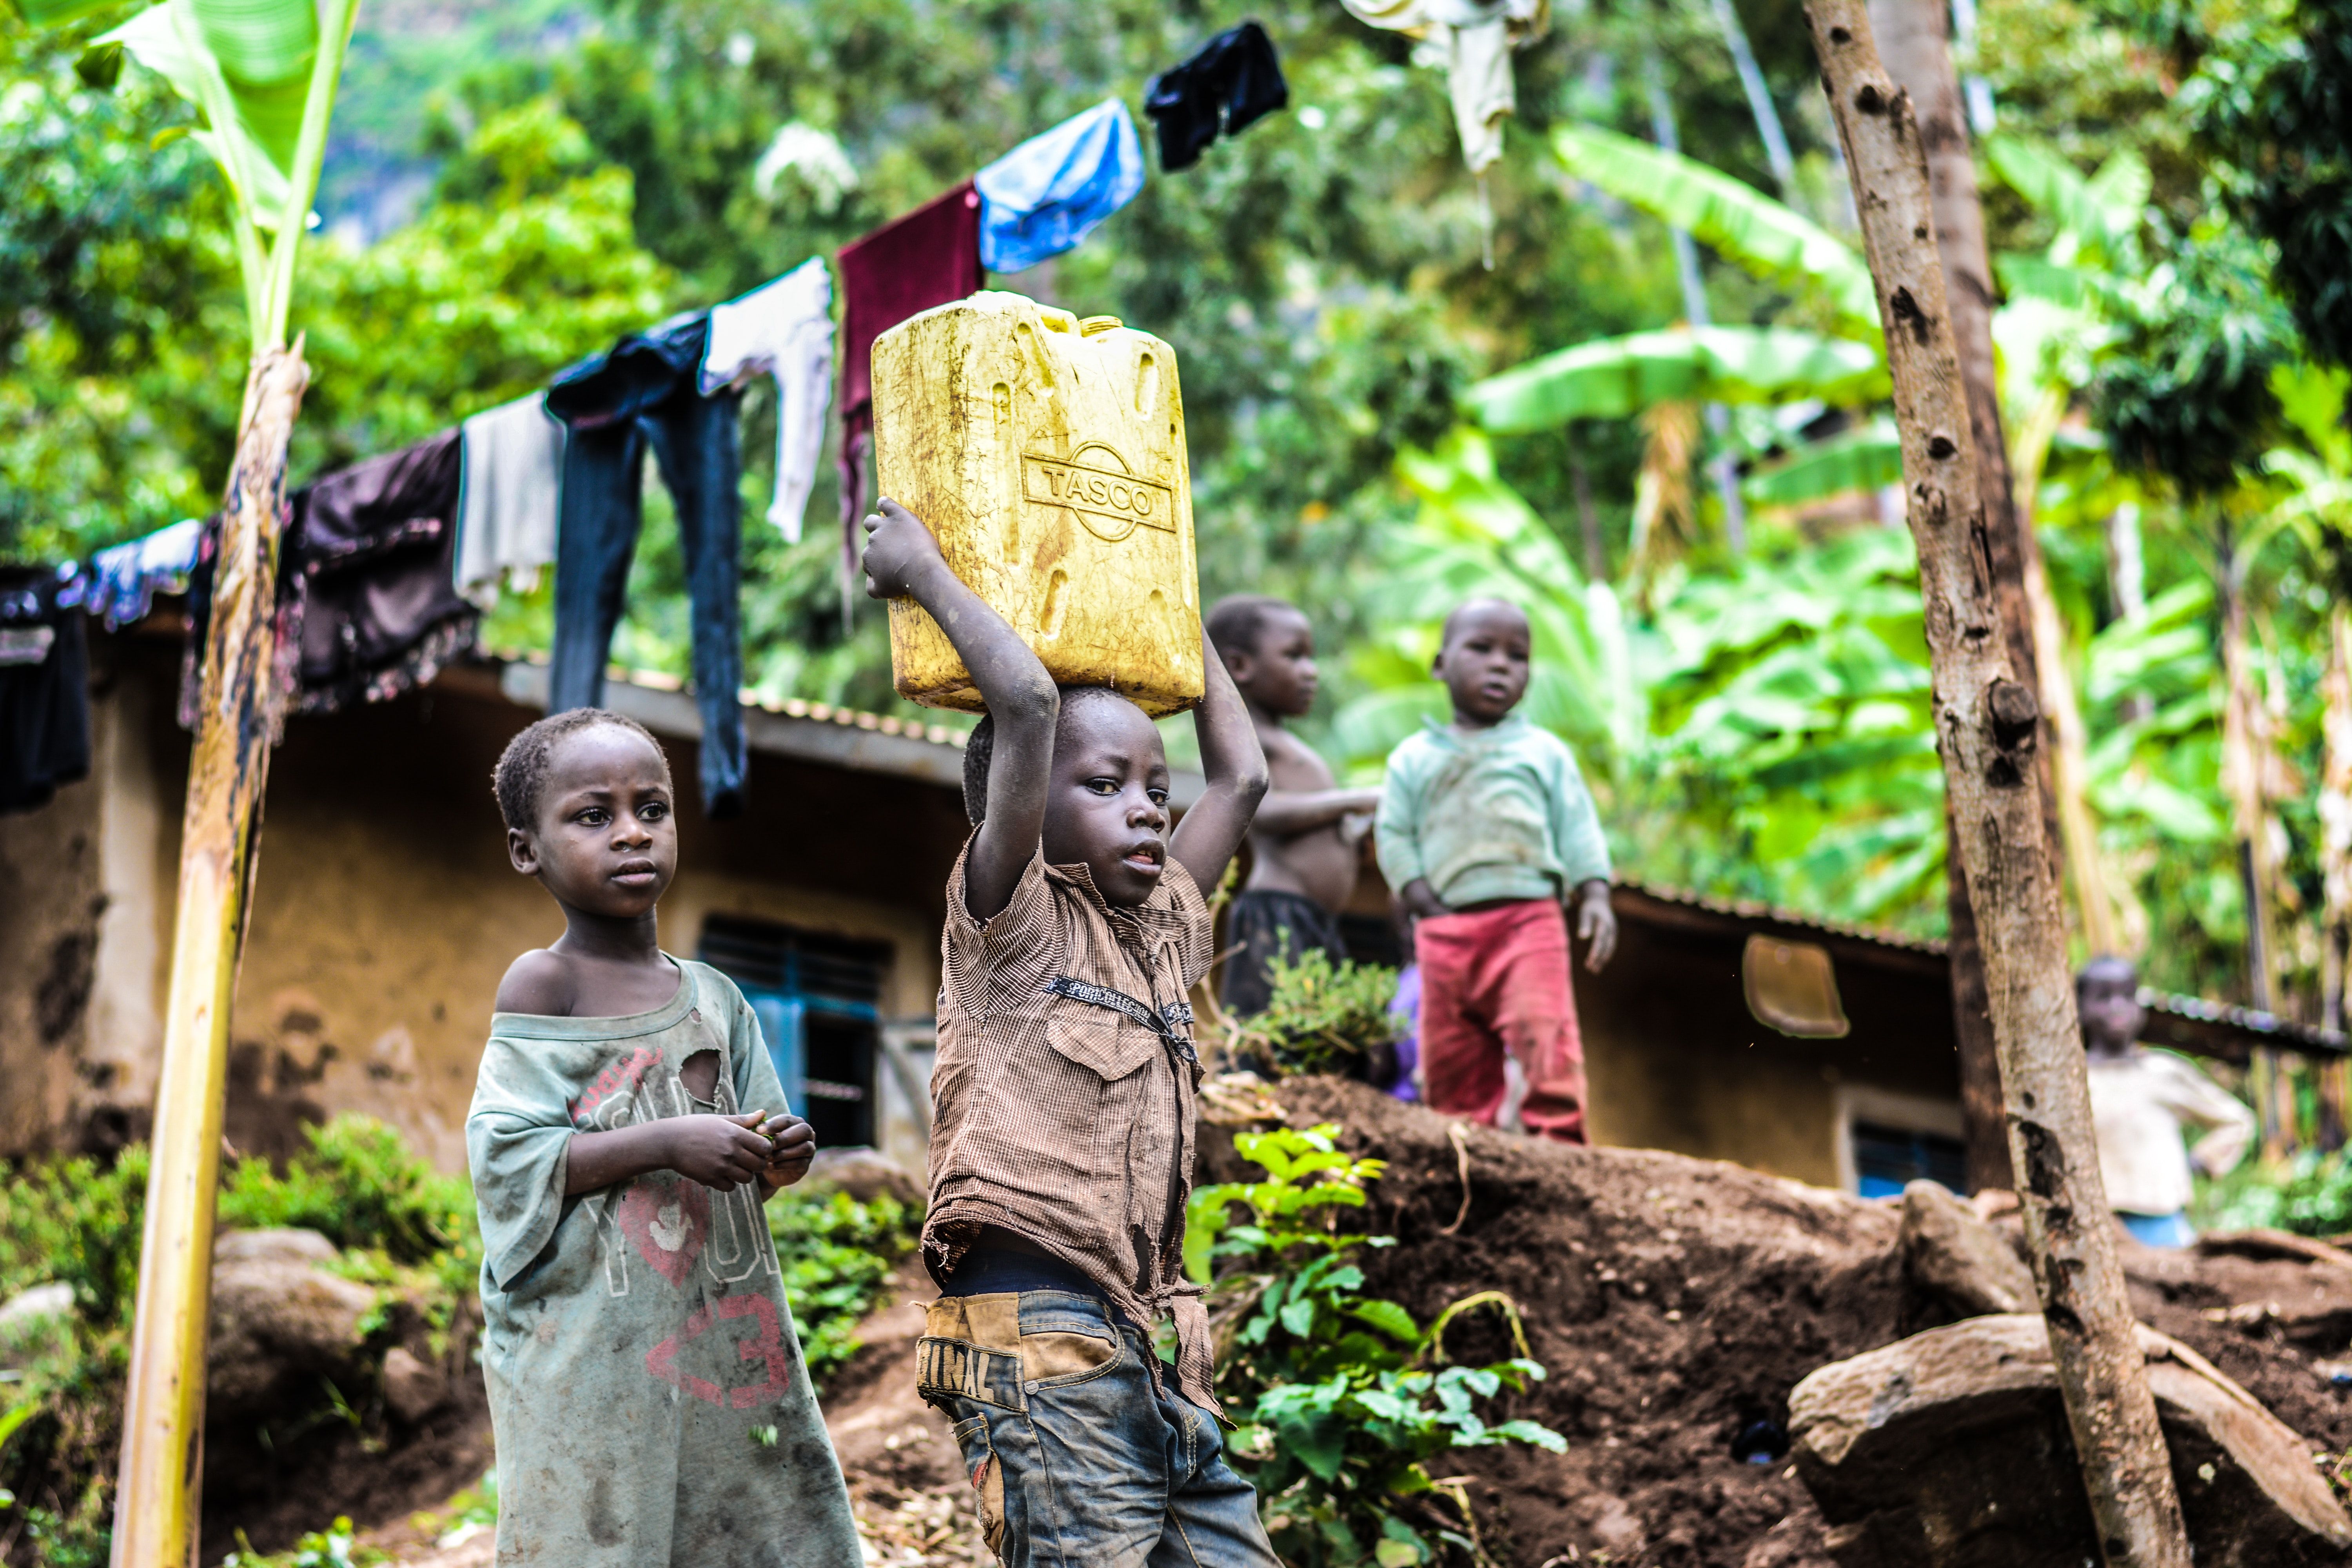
(1047, 456)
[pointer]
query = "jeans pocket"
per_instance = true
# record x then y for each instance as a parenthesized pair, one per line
(1056, 1358)
(987, 1473)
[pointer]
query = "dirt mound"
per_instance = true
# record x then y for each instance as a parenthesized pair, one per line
(1676, 1302)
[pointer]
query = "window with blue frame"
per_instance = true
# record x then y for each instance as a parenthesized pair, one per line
(818, 999)
(1888, 1159)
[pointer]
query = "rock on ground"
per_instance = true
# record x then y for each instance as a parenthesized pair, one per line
(279, 1318)
(1950, 1449)
(1967, 1266)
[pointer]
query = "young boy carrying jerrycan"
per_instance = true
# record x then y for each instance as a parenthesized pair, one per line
(1062, 1142)
(1485, 829)
(649, 1398)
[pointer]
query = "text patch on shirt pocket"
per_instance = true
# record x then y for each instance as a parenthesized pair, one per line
(1100, 1041)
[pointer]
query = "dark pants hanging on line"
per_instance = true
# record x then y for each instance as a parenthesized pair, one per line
(652, 401)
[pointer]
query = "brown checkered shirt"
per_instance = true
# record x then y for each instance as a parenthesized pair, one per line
(1063, 1096)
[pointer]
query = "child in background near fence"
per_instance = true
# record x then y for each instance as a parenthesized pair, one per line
(646, 1388)
(2140, 1099)
(1485, 828)
(1063, 1144)
(1303, 840)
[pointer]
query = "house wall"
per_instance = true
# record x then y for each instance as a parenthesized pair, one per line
(385, 914)
(1677, 1062)
(384, 911)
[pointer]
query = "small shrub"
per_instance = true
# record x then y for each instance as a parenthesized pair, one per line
(2310, 1194)
(1321, 1017)
(838, 1256)
(1343, 1398)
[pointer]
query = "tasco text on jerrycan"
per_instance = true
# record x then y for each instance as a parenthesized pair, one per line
(1047, 454)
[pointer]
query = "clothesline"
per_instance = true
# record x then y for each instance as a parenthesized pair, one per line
(386, 565)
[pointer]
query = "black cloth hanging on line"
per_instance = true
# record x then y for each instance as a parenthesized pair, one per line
(43, 690)
(645, 392)
(1233, 82)
(366, 605)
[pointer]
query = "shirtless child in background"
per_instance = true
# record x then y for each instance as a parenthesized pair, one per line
(1303, 843)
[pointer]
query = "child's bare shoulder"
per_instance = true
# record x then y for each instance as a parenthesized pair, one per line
(539, 982)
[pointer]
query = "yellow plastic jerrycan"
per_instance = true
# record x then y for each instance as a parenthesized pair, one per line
(1047, 454)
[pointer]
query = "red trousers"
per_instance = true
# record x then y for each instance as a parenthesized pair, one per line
(1492, 981)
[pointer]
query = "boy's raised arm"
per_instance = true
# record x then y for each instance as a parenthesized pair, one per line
(903, 561)
(1234, 763)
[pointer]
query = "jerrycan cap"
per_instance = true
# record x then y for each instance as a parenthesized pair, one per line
(1091, 325)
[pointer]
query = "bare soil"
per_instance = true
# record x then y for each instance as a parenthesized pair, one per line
(1675, 1301)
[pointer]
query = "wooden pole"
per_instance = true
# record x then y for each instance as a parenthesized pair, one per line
(1987, 729)
(157, 1500)
(1911, 36)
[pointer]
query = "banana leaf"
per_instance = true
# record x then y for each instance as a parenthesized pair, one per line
(57, 13)
(2103, 211)
(1614, 378)
(1869, 459)
(247, 64)
(1742, 224)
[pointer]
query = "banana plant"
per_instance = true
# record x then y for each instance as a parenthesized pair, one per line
(1742, 225)
(262, 75)
(1616, 378)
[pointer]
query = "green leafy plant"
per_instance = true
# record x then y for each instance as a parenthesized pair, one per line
(333, 1547)
(401, 1225)
(1343, 1399)
(1322, 1016)
(838, 1256)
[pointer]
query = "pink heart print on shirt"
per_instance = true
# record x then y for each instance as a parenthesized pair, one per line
(765, 1347)
(668, 1222)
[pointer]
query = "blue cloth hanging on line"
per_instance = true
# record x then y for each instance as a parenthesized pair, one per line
(1049, 193)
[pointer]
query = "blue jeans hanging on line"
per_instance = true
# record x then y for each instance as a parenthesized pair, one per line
(643, 394)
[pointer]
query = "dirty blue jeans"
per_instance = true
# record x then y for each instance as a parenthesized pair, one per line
(614, 406)
(1077, 1460)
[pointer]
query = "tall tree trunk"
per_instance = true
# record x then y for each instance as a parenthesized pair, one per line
(1588, 521)
(2335, 818)
(1987, 728)
(1982, 1123)
(2095, 898)
(1913, 50)
(2243, 775)
(156, 1509)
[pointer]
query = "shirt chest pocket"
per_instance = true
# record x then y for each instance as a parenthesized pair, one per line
(1101, 1041)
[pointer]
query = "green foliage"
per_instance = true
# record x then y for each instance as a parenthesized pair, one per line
(359, 1185)
(2187, 392)
(1742, 224)
(2309, 1195)
(2274, 106)
(838, 1256)
(401, 1225)
(75, 1222)
(333, 1547)
(1615, 378)
(1342, 1399)
(1320, 1017)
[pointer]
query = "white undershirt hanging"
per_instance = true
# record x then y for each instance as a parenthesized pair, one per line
(783, 329)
